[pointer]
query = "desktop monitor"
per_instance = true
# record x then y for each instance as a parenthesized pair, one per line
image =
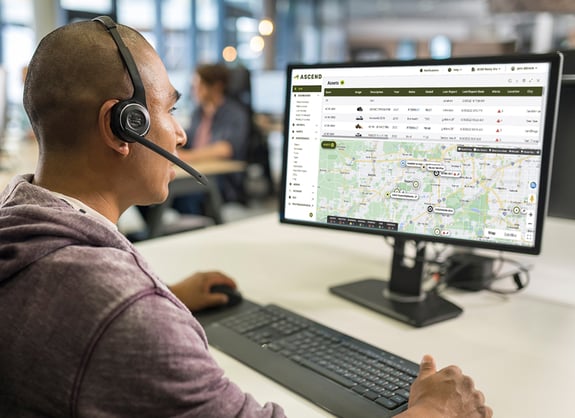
(454, 151)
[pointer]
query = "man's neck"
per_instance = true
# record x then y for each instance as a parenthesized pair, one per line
(83, 189)
(82, 207)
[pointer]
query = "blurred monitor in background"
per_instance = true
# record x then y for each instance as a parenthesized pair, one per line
(268, 91)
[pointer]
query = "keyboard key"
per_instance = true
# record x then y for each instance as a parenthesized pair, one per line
(370, 395)
(388, 403)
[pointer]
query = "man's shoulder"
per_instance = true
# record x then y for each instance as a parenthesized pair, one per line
(89, 286)
(101, 268)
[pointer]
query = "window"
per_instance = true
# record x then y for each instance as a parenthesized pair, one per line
(17, 43)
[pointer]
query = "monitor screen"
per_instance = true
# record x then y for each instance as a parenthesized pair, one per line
(454, 151)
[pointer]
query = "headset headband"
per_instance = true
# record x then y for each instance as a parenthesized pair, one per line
(139, 92)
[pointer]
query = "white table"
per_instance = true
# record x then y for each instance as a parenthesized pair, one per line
(519, 349)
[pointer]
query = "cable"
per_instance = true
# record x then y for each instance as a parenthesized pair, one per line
(444, 274)
(520, 276)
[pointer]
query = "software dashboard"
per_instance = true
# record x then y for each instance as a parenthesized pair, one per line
(451, 151)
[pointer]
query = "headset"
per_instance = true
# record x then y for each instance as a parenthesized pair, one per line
(130, 118)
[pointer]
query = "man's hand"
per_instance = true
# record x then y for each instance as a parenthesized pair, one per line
(444, 394)
(194, 291)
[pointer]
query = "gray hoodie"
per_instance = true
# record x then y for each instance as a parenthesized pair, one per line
(87, 329)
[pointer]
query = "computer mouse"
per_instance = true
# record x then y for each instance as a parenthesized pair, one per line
(234, 295)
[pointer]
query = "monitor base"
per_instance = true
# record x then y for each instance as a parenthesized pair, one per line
(371, 294)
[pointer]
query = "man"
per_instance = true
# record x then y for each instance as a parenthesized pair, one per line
(220, 130)
(220, 125)
(86, 328)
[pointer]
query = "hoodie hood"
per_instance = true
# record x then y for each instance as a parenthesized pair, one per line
(35, 223)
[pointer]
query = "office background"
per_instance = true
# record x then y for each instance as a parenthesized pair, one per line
(265, 35)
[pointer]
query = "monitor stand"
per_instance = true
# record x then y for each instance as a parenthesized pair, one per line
(402, 297)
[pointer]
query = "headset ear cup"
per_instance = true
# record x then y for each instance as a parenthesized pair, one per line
(116, 124)
(129, 115)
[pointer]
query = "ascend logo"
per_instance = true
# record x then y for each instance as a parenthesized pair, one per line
(307, 76)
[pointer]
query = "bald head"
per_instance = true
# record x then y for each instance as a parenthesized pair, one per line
(73, 71)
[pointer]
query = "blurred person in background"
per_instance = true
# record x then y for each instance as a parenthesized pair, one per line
(219, 130)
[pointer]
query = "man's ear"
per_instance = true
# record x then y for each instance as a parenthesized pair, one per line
(105, 129)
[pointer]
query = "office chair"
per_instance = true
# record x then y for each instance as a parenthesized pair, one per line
(257, 181)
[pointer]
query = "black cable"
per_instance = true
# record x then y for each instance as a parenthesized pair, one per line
(520, 275)
(517, 274)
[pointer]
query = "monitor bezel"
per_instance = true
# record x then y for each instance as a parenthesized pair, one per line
(554, 59)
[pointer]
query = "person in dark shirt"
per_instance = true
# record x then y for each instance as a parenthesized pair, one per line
(220, 124)
(219, 130)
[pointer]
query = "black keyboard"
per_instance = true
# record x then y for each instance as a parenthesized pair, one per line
(343, 375)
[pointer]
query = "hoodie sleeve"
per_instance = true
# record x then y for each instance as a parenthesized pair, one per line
(153, 360)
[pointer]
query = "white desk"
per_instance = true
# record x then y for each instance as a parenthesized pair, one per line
(518, 349)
